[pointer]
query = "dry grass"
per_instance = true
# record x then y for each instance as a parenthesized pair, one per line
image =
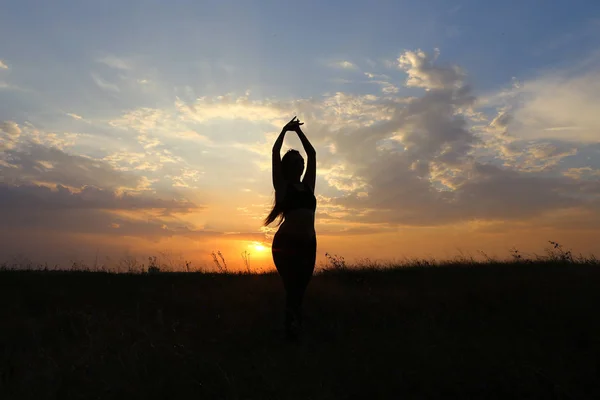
(520, 329)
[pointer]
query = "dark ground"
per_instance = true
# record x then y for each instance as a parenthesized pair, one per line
(489, 331)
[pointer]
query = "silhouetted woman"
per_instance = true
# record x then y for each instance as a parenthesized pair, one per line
(295, 243)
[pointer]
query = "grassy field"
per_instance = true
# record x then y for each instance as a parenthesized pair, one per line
(493, 330)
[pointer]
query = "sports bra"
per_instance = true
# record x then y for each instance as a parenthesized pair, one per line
(295, 198)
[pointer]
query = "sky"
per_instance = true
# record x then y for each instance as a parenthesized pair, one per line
(131, 129)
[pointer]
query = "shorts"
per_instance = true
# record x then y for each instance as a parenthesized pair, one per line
(286, 244)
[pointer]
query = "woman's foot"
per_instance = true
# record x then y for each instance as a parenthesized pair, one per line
(293, 324)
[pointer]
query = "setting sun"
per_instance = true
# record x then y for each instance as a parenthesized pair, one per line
(258, 246)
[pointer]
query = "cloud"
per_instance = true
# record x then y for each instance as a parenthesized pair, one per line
(10, 128)
(93, 222)
(32, 196)
(343, 64)
(229, 107)
(355, 229)
(180, 119)
(111, 87)
(93, 216)
(9, 134)
(142, 119)
(384, 81)
(37, 163)
(546, 154)
(3, 65)
(75, 116)
(421, 130)
(8, 86)
(582, 173)
(115, 62)
(531, 156)
(558, 105)
(47, 190)
(58, 140)
(85, 201)
(422, 72)
(490, 193)
(425, 162)
(501, 121)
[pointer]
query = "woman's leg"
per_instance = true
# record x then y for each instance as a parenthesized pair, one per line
(295, 261)
(304, 271)
(283, 254)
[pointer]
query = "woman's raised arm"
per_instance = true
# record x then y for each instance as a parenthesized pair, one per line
(278, 179)
(310, 177)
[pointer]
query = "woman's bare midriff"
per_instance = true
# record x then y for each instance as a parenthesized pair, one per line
(299, 222)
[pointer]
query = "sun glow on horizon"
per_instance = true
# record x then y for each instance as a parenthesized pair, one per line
(258, 247)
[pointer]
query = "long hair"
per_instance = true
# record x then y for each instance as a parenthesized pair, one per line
(277, 210)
